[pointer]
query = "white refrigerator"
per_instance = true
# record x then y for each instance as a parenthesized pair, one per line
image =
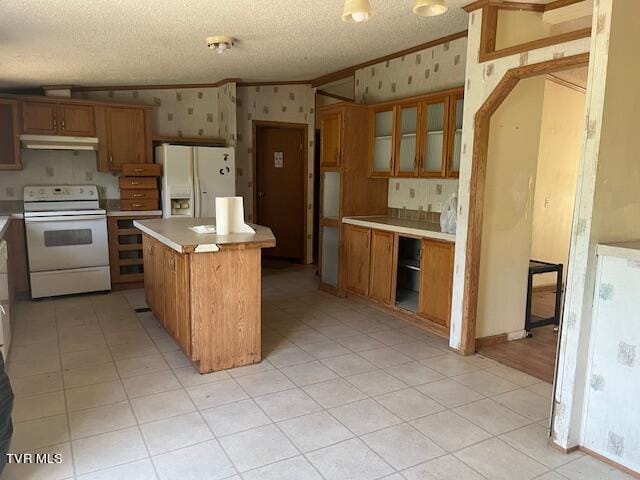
(192, 178)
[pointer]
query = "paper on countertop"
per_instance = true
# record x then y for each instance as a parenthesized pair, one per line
(203, 229)
(230, 216)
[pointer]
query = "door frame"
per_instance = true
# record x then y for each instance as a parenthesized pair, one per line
(255, 126)
(482, 123)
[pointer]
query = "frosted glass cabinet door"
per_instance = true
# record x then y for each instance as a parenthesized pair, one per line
(434, 140)
(457, 137)
(330, 255)
(382, 160)
(330, 194)
(408, 154)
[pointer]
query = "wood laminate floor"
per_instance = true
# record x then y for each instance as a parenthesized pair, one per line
(536, 355)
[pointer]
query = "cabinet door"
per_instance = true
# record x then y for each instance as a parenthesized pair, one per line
(9, 132)
(381, 265)
(158, 281)
(358, 254)
(436, 281)
(183, 311)
(330, 140)
(456, 111)
(77, 120)
(40, 118)
(382, 142)
(434, 138)
(126, 136)
(148, 264)
(171, 299)
(406, 164)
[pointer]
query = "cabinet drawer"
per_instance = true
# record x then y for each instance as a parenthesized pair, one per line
(149, 204)
(139, 194)
(138, 183)
(141, 170)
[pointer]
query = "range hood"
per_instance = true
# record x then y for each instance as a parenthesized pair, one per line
(58, 142)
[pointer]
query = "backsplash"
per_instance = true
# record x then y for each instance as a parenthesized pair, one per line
(49, 167)
(418, 194)
(408, 214)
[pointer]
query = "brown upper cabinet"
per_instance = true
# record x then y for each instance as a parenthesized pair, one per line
(9, 135)
(50, 118)
(417, 137)
(330, 139)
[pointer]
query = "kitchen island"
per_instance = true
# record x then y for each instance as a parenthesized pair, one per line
(206, 289)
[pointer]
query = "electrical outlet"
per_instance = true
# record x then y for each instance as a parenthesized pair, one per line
(438, 189)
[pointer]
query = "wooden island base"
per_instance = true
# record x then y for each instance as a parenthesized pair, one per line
(209, 302)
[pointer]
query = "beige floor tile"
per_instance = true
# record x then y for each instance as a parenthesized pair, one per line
(176, 432)
(235, 417)
(287, 404)
(323, 350)
(543, 389)
(141, 348)
(38, 406)
(486, 383)
(189, 376)
(414, 373)
(289, 356)
(451, 431)
(263, 366)
(107, 418)
(514, 376)
(86, 358)
(526, 403)
(138, 470)
(533, 440)
(334, 393)
(364, 416)
(308, 373)
(161, 405)
(360, 343)
(297, 468)
(385, 357)
(132, 367)
(41, 432)
(314, 431)
(492, 417)
(43, 471)
(38, 364)
(258, 447)
(376, 382)
(265, 382)
(157, 382)
(450, 393)
(409, 404)
(197, 462)
(402, 446)
(588, 468)
(350, 364)
(216, 393)
(505, 462)
(79, 377)
(450, 364)
(418, 350)
(37, 384)
(91, 396)
(108, 449)
(447, 467)
(349, 460)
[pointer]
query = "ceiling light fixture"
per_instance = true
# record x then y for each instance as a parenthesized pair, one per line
(356, 11)
(430, 8)
(220, 43)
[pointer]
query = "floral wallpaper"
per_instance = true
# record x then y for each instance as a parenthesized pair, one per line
(276, 103)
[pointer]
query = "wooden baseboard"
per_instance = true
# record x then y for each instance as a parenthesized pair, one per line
(491, 340)
(565, 450)
(608, 461)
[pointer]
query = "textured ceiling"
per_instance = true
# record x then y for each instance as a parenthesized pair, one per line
(120, 42)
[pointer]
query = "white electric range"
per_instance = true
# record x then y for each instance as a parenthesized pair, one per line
(67, 240)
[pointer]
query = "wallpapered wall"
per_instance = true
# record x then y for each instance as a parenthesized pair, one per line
(429, 70)
(185, 112)
(275, 103)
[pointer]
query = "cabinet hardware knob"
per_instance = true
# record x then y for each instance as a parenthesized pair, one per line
(137, 170)
(55, 123)
(133, 182)
(137, 195)
(110, 158)
(136, 205)
(63, 124)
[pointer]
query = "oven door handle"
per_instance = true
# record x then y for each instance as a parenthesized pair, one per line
(63, 218)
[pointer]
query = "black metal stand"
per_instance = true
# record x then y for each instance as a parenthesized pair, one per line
(533, 321)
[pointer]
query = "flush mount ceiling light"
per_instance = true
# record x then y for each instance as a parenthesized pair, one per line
(356, 11)
(220, 43)
(430, 8)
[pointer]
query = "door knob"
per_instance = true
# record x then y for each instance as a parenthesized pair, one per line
(260, 194)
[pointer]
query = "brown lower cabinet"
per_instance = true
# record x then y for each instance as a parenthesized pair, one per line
(372, 269)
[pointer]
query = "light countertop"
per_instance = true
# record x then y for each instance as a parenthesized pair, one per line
(4, 223)
(626, 250)
(416, 228)
(175, 233)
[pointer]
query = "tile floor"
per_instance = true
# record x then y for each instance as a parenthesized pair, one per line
(345, 392)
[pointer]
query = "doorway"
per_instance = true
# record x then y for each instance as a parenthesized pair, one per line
(534, 150)
(279, 178)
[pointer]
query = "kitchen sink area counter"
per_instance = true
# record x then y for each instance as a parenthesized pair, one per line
(205, 289)
(418, 228)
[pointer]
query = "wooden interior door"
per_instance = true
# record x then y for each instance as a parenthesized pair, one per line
(381, 265)
(280, 175)
(330, 132)
(436, 281)
(358, 255)
(40, 118)
(126, 136)
(9, 131)
(77, 120)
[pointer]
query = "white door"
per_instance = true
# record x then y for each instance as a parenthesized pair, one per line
(67, 242)
(214, 176)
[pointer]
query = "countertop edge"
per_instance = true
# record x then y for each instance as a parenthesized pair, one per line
(161, 238)
(624, 250)
(362, 222)
(133, 213)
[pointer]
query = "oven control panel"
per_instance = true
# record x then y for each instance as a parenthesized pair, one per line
(48, 193)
